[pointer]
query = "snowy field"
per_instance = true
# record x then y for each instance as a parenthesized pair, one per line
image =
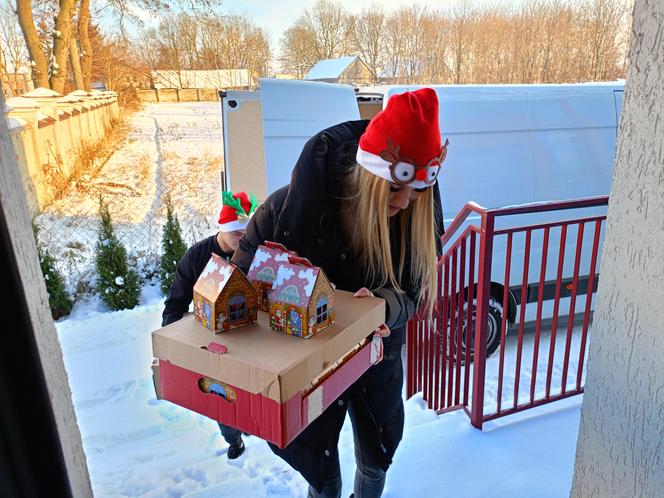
(139, 446)
(171, 150)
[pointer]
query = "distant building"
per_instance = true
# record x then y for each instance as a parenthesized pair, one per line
(98, 85)
(16, 84)
(349, 70)
(285, 76)
(220, 79)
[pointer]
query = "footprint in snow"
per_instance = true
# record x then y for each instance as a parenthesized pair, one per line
(279, 482)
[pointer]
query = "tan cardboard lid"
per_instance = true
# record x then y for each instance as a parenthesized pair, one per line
(263, 361)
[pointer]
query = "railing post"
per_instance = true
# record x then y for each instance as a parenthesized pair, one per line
(481, 314)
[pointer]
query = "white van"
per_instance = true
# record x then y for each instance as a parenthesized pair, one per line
(509, 145)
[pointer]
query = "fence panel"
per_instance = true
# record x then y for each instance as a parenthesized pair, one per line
(487, 278)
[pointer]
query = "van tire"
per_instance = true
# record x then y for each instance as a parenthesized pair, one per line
(493, 333)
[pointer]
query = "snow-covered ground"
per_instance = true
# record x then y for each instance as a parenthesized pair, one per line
(171, 149)
(139, 446)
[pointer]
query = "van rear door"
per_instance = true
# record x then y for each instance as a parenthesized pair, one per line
(242, 126)
(618, 98)
(264, 131)
(294, 111)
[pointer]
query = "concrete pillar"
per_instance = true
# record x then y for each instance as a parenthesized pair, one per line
(27, 110)
(620, 450)
(52, 132)
(90, 131)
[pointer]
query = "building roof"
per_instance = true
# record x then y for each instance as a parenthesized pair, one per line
(329, 68)
(213, 78)
(266, 262)
(216, 274)
(295, 282)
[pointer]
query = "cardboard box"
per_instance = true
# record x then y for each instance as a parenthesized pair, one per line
(261, 381)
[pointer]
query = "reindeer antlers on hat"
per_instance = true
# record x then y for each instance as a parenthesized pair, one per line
(236, 210)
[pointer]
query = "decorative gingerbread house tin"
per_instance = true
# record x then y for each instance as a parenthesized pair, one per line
(263, 270)
(301, 299)
(223, 297)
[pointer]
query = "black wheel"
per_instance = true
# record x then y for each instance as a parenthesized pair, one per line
(493, 332)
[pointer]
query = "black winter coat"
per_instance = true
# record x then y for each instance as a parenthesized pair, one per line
(305, 217)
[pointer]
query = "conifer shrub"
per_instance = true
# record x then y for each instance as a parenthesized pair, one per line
(118, 285)
(173, 248)
(58, 297)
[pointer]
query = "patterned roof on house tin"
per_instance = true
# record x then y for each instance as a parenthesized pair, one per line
(215, 276)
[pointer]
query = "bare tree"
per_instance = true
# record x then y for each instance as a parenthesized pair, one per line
(298, 51)
(38, 61)
(61, 36)
(147, 48)
(75, 61)
(330, 24)
(603, 21)
(435, 67)
(14, 54)
(188, 29)
(368, 30)
(116, 65)
(394, 42)
(461, 34)
(170, 49)
(210, 42)
(412, 22)
(84, 39)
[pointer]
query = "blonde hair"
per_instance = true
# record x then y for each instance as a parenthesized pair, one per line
(367, 224)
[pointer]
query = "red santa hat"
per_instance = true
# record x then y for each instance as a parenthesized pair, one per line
(236, 211)
(402, 142)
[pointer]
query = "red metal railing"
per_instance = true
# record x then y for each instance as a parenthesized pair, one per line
(479, 301)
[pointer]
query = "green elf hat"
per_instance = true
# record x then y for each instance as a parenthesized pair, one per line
(236, 211)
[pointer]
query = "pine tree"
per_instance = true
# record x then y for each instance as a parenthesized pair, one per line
(117, 284)
(173, 248)
(58, 298)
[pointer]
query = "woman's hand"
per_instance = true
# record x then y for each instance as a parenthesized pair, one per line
(383, 330)
(363, 292)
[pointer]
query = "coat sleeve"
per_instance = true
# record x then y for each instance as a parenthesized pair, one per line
(181, 292)
(399, 307)
(261, 228)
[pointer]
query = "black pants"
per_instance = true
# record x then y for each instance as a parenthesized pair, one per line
(230, 434)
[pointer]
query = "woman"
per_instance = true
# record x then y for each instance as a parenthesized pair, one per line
(369, 216)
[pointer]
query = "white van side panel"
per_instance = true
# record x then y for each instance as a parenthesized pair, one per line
(294, 111)
(509, 145)
(514, 144)
(573, 142)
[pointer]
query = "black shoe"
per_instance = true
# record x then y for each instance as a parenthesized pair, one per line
(235, 450)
